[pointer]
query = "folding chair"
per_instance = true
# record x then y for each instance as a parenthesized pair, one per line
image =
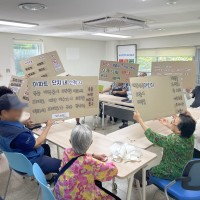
(186, 187)
(40, 177)
(20, 164)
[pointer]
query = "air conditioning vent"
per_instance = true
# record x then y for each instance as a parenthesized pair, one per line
(115, 22)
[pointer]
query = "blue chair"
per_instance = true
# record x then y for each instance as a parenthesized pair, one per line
(20, 164)
(47, 194)
(186, 187)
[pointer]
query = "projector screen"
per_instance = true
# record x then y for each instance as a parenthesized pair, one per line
(127, 53)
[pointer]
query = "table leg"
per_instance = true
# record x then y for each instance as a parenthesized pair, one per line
(94, 122)
(144, 183)
(58, 151)
(130, 185)
(103, 119)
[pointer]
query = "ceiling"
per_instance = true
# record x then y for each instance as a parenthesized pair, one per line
(63, 18)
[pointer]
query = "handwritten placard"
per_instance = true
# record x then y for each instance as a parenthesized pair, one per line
(155, 96)
(63, 97)
(45, 65)
(186, 70)
(16, 83)
(23, 92)
(117, 72)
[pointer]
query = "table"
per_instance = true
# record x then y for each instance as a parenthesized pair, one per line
(113, 106)
(134, 134)
(195, 112)
(59, 135)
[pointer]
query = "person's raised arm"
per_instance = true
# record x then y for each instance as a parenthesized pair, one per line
(120, 92)
(166, 123)
(153, 137)
(137, 117)
(40, 140)
(189, 93)
(107, 90)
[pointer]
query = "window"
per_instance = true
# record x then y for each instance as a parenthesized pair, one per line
(175, 58)
(145, 63)
(146, 57)
(23, 50)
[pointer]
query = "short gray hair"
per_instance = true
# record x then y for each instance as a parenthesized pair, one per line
(81, 138)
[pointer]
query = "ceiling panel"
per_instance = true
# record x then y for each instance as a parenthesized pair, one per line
(64, 17)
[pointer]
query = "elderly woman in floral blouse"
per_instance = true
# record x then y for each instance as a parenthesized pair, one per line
(78, 181)
(177, 148)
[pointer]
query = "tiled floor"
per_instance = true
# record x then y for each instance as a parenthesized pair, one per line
(25, 189)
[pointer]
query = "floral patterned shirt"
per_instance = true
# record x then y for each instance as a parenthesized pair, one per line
(177, 152)
(77, 183)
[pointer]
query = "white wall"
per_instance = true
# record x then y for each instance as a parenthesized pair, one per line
(186, 40)
(90, 54)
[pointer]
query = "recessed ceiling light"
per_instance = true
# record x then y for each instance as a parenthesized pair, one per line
(157, 29)
(17, 24)
(111, 35)
(32, 6)
(171, 2)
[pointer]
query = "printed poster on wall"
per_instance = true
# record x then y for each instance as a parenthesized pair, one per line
(16, 83)
(186, 70)
(156, 97)
(60, 98)
(45, 65)
(127, 53)
(117, 72)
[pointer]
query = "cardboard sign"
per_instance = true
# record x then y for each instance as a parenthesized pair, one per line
(61, 98)
(117, 72)
(185, 69)
(23, 93)
(16, 83)
(44, 65)
(156, 97)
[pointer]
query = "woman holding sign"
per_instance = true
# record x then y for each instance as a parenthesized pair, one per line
(177, 147)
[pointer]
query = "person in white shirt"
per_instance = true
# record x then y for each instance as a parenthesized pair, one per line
(197, 140)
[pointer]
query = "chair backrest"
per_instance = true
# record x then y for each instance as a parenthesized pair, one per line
(19, 163)
(40, 177)
(191, 171)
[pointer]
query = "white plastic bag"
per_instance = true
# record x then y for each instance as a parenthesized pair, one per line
(123, 152)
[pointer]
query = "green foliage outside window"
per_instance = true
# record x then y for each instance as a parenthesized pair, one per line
(145, 61)
(23, 51)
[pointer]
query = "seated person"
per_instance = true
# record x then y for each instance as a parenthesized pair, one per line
(194, 94)
(5, 90)
(142, 74)
(15, 137)
(197, 141)
(177, 148)
(78, 182)
(119, 90)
